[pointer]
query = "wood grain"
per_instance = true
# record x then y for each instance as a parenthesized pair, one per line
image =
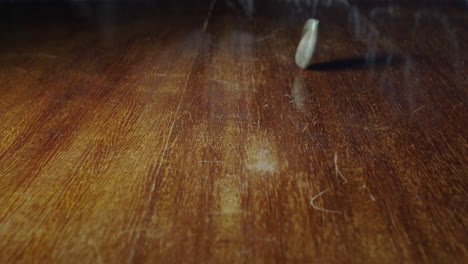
(138, 137)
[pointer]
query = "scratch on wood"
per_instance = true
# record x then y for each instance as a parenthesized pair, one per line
(166, 144)
(304, 129)
(228, 212)
(337, 170)
(96, 248)
(132, 251)
(312, 200)
(208, 16)
(244, 252)
(234, 85)
(148, 232)
(163, 152)
(269, 36)
(266, 37)
(419, 109)
(45, 55)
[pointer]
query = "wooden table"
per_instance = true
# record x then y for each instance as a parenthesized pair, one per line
(166, 133)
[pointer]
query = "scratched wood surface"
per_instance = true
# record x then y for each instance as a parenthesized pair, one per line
(171, 134)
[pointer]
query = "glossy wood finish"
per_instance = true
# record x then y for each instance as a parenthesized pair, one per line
(140, 138)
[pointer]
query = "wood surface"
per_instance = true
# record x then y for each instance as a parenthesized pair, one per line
(172, 134)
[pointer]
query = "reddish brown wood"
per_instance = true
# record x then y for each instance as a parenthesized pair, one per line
(140, 138)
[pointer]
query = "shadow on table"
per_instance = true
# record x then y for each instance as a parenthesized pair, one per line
(357, 63)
